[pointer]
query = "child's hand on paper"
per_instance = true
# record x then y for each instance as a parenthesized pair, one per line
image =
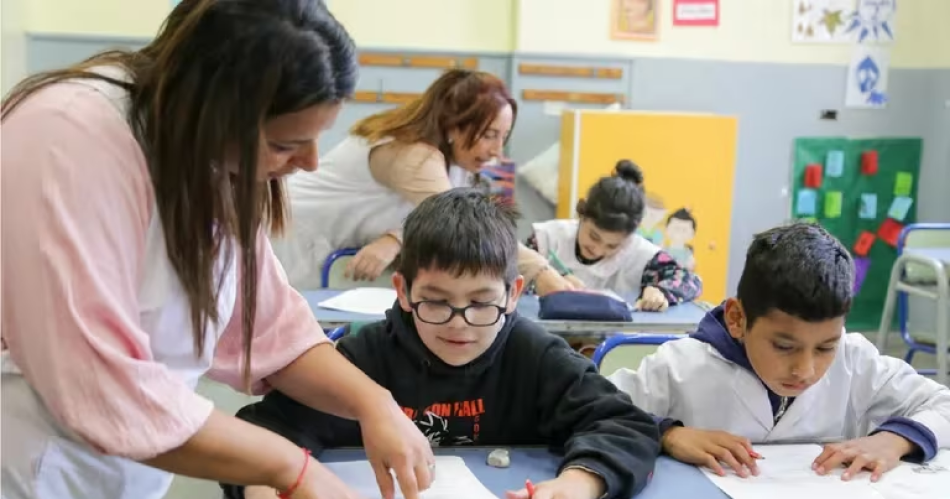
(371, 261)
(577, 283)
(652, 300)
(878, 454)
(710, 448)
(549, 281)
(572, 483)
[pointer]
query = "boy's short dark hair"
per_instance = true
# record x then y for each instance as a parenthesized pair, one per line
(799, 269)
(463, 231)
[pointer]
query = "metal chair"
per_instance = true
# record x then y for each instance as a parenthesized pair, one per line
(921, 269)
(649, 340)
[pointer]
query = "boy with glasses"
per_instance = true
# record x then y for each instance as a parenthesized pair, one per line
(470, 371)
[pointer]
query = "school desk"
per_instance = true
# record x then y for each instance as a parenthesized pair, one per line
(678, 318)
(671, 479)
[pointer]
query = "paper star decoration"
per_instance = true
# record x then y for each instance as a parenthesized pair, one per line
(832, 19)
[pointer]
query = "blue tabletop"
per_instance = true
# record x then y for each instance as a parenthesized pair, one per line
(671, 480)
(683, 317)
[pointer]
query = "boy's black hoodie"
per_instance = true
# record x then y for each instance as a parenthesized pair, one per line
(528, 388)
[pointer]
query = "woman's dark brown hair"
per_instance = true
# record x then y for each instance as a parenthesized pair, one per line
(459, 99)
(200, 93)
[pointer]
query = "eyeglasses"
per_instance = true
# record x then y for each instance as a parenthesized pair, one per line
(476, 314)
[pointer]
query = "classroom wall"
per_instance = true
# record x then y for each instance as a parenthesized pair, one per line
(572, 27)
(12, 43)
(748, 70)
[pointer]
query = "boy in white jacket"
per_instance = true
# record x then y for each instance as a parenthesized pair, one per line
(773, 364)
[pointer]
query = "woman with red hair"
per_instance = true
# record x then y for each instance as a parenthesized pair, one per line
(389, 163)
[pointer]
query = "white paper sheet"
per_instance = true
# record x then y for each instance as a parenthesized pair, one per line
(453, 480)
(867, 77)
(370, 301)
(786, 473)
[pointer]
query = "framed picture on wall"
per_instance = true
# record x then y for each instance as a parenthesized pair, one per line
(634, 19)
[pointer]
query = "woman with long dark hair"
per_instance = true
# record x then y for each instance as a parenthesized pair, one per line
(141, 186)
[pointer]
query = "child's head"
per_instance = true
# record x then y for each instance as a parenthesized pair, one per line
(460, 249)
(789, 311)
(611, 212)
(680, 228)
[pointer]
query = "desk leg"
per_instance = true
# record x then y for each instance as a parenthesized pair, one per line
(890, 300)
(943, 324)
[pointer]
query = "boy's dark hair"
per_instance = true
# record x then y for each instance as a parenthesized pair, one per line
(615, 203)
(682, 214)
(463, 231)
(799, 269)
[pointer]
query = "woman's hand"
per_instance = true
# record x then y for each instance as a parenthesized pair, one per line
(710, 448)
(652, 300)
(393, 442)
(878, 454)
(371, 261)
(549, 281)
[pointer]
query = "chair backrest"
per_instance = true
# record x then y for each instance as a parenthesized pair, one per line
(636, 347)
(923, 235)
(334, 266)
(336, 333)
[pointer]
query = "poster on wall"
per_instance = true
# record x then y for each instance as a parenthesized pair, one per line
(867, 78)
(822, 21)
(873, 21)
(695, 12)
(633, 19)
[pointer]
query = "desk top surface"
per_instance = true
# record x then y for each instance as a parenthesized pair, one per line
(683, 317)
(671, 479)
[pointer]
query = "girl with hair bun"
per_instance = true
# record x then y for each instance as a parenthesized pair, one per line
(602, 249)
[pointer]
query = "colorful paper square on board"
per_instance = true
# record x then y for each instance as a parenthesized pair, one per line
(834, 164)
(868, 208)
(833, 202)
(903, 182)
(899, 208)
(861, 266)
(863, 245)
(806, 202)
(890, 231)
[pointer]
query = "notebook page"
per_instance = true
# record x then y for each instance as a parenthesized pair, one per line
(453, 480)
(369, 301)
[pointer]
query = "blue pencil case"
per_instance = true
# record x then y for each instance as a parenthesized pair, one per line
(583, 306)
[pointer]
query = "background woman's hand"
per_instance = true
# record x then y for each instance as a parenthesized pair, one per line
(549, 281)
(393, 442)
(371, 260)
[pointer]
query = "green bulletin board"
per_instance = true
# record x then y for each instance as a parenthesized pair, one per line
(849, 201)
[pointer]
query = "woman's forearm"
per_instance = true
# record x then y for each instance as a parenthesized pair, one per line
(229, 450)
(347, 393)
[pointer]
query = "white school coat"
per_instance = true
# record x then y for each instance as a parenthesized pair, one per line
(621, 273)
(690, 381)
(44, 460)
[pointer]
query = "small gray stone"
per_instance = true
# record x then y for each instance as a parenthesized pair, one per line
(499, 458)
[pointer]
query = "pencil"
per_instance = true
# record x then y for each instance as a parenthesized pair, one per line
(558, 264)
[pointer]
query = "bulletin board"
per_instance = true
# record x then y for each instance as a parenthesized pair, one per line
(864, 191)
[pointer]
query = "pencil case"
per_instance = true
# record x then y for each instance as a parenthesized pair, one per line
(583, 306)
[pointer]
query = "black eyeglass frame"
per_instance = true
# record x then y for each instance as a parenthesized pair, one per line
(460, 311)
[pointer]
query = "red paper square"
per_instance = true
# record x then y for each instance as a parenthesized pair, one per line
(863, 245)
(813, 176)
(890, 231)
(869, 162)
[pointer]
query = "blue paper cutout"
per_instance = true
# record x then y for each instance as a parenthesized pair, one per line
(868, 209)
(868, 76)
(807, 199)
(871, 17)
(899, 208)
(835, 164)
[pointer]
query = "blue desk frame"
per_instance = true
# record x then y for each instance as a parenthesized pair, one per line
(671, 479)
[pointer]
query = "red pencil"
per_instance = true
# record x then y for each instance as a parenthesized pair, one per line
(530, 487)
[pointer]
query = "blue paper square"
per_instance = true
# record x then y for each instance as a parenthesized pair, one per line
(899, 208)
(834, 166)
(868, 209)
(805, 205)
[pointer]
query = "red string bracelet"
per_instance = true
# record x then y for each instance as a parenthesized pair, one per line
(293, 488)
